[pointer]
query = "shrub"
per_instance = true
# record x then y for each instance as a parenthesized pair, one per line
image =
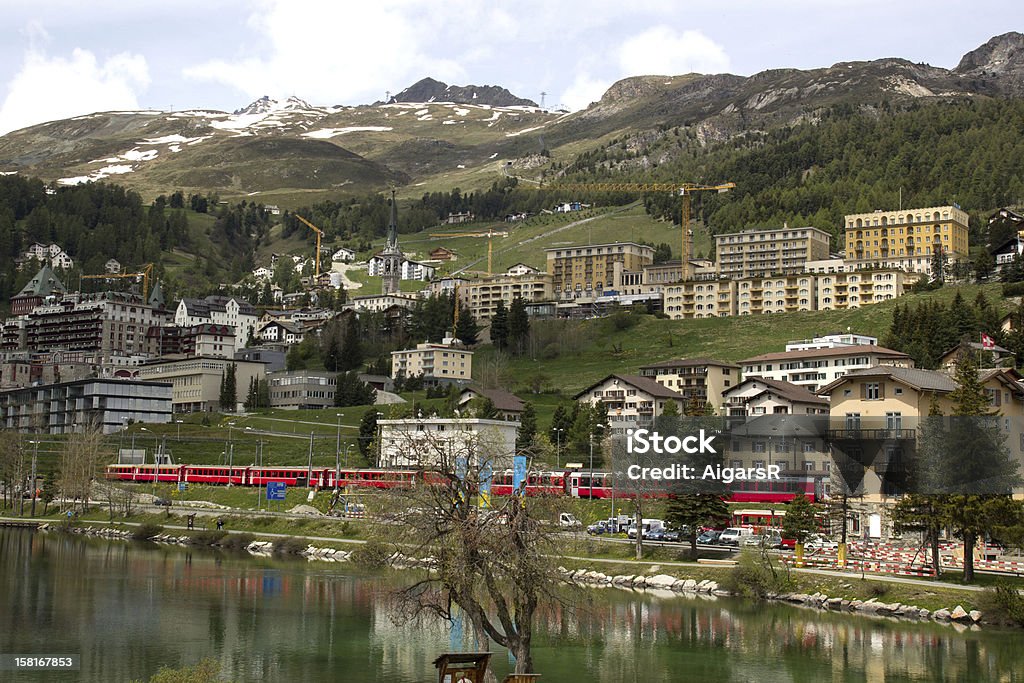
(877, 590)
(756, 577)
(371, 555)
(623, 321)
(1013, 289)
(205, 671)
(145, 532)
(289, 546)
(237, 541)
(1004, 603)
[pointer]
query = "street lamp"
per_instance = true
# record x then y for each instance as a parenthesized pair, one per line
(558, 446)
(178, 422)
(337, 456)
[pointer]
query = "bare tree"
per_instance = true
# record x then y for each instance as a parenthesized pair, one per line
(13, 467)
(495, 564)
(81, 462)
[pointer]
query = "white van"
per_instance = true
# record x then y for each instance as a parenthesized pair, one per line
(733, 534)
(567, 520)
(649, 525)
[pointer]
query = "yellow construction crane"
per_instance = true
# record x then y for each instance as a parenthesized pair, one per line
(319, 234)
(684, 190)
(490, 235)
(146, 273)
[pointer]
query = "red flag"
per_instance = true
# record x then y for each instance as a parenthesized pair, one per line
(987, 342)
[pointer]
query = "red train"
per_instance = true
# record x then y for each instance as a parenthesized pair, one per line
(574, 483)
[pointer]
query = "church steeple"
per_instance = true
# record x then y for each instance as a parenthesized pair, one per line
(392, 240)
(391, 267)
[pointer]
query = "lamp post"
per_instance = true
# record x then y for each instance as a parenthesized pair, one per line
(558, 446)
(178, 422)
(337, 456)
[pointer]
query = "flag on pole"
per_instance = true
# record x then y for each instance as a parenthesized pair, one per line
(987, 342)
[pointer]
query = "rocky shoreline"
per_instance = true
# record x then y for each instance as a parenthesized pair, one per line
(584, 577)
(819, 601)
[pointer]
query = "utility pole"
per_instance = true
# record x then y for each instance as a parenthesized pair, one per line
(337, 456)
(309, 472)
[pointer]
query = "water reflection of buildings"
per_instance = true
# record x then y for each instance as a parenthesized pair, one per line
(128, 609)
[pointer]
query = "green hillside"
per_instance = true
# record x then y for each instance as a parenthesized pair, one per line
(573, 354)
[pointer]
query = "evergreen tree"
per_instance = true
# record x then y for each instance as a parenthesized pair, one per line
(696, 510)
(500, 327)
(367, 431)
(223, 399)
(263, 393)
(801, 519)
(332, 346)
(251, 396)
(467, 330)
(561, 421)
(351, 391)
(483, 408)
(671, 409)
(352, 348)
(527, 432)
(518, 325)
(231, 388)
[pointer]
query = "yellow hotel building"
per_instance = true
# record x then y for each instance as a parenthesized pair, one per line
(906, 239)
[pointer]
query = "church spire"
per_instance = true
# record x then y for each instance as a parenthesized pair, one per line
(392, 241)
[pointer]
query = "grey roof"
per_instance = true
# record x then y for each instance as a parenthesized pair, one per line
(502, 400)
(787, 390)
(44, 283)
(203, 307)
(645, 384)
(156, 297)
(689, 363)
(863, 349)
(924, 380)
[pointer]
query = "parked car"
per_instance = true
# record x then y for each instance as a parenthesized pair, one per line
(663, 534)
(649, 525)
(567, 520)
(598, 529)
(765, 540)
(733, 534)
(162, 502)
(818, 542)
(709, 537)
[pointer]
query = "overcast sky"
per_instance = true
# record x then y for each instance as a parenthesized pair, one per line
(60, 58)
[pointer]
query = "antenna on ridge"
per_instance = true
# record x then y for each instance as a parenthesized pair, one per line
(542, 96)
(387, 97)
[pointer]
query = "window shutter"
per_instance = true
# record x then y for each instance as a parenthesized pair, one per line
(863, 390)
(881, 390)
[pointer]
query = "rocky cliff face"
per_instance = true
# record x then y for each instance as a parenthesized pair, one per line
(999, 62)
(430, 90)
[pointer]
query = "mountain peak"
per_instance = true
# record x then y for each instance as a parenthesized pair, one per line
(1001, 59)
(431, 90)
(266, 105)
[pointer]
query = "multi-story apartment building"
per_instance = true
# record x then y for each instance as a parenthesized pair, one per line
(218, 310)
(779, 294)
(587, 271)
(854, 289)
(108, 325)
(408, 269)
(196, 381)
(831, 341)
(875, 412)
(482, 295)
(198, 340)
(45, 285)
(377, 303)
(759, 396)
(434, 362)
(302, 389)
(763, 253)
(703, 380)
(700, 299)
(632, 401)
(443, 442)
(814, 368)
(906, 238)
(106, 404)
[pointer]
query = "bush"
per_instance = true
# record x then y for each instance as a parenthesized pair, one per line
(371, 555)
(1004, 604)
(877, 590)
(207, 537)
(623, 321)
(145, 532)
(1013, 289)
(289, 546)
(237, 541)
(205, 671)
(756, 577)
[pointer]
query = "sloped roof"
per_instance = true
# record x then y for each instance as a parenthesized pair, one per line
(44, 283)
(502, 400)
(645, 384)
(827, 353)
(785, 390)
(689, 363)
(922, 380)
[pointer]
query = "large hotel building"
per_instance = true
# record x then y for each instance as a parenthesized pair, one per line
(763, 253)
(906, 239)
